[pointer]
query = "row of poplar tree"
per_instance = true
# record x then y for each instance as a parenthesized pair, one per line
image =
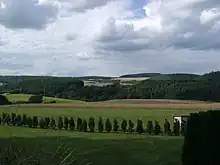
(90, 125)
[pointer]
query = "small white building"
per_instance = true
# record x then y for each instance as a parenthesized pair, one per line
(181, 119)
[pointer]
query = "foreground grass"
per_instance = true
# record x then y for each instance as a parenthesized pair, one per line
(86, 113)
(100, 149)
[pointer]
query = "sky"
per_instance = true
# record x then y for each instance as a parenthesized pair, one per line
(108, 37)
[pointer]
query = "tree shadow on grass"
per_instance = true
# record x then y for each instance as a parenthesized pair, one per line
(138, 151)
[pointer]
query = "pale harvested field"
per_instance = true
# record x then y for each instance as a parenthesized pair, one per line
(150, 105)
(131, 79)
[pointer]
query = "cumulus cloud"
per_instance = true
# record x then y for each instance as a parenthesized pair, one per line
(33, 14)
(106, 37)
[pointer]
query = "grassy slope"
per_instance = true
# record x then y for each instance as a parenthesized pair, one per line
(100, 149)
(25, 97)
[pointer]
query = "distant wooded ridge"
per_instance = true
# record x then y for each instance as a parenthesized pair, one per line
(204, 87)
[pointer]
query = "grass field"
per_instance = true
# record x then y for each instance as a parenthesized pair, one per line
(25, 97)
(104, 148)
(85, 113)
(100, 149)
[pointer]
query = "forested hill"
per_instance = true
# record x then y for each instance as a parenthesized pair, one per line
(140, 75)
(172, 86)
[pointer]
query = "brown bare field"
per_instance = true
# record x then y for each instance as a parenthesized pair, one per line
(149, 104)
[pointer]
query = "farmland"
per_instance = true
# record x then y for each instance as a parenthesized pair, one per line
(102, 148)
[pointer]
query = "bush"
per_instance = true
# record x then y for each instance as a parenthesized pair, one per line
(35, 122)
(18, 120)
(150, 127)
(29, 122)
(35, 99)
(71, 124)
(4, 115)
(176, 127)
(84, 125)
(66, 123)
(108, 125)
(4, 100)
(100, 125)
(201, 141)
(157, 128)
(130, 126)
(13, 117)
(167, 129)
(52, 102)
(115, 125)
(52, 123)
(79, 124)
(47, 122)
(140, 128)
(0, 120)
(92, 124)
(24, 120)
(60, 123)
(124, 125)
(183, 126)
(8, 119)
(42, 123)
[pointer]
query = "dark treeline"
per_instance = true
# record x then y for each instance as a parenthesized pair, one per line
(83, 125)
(174, 86)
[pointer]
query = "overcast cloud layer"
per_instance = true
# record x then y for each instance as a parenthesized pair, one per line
(108, 37)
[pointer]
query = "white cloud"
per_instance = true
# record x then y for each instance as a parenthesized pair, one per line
(84, 37)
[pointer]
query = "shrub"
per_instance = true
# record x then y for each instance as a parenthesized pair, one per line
(84, 125)
(115, 125)
(24, 120)
(71, 124)
(4, 115)
(201, 141)
(52, 102)
(4, 100)
(8, 119)
(100, 125)
(18, 120)
(35, 99)
(92, 124)
(124, 125)
(66, 123)
(47, 122)
(157, 128)
(130, 126)
(60, 122)
(183, 126)
(167, 129)
(35, 122)
(79, 124)
(42, 123)
(29, 122)
(52, 123)
(108, 125)
(13, 117)
(0, 120)
(176, 127)
(150, 127)
(139, 128)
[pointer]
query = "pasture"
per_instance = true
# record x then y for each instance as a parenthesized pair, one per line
(95, 148)
(102, 148)
(25, 97)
